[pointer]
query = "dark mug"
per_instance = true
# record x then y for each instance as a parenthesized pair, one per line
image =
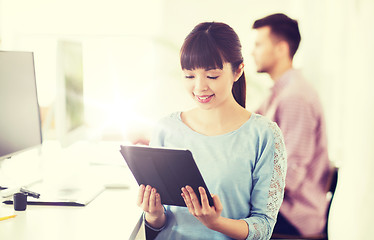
(20, 201)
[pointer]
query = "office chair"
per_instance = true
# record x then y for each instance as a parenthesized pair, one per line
(331, 187)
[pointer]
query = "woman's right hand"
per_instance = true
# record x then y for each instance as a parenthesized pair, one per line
(150, 201)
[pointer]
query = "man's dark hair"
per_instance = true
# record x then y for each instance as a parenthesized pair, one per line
(282, 27)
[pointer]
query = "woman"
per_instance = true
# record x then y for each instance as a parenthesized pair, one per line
(241, 155)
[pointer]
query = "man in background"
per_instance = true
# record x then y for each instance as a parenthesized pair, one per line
(294, 105)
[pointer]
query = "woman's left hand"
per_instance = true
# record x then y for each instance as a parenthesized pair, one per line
(206, 214)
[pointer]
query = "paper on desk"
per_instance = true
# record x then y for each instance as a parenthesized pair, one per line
(81, 195)
(63, 196)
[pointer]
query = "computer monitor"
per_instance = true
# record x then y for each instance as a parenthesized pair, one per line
(20, 126)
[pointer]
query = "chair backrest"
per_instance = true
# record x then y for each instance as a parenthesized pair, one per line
(330, 192)
(333, 182)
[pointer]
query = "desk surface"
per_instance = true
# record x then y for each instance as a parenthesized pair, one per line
(112, 215)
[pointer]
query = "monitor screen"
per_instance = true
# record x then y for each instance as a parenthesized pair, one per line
(20, 127)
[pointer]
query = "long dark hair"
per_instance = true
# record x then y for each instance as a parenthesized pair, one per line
(210, 45)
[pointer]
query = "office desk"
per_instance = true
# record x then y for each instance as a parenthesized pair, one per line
(112, 215)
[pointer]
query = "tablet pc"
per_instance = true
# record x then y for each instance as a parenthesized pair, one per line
(167, 170)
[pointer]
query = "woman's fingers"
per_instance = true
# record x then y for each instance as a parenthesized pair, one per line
(140, 195)
(204, 198)
(194, 199)
(152, 199)
(187, 199)
(158, 200)
(217, 203)
(147, 194)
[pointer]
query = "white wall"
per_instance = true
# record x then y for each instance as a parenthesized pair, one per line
(131, 69)
(347, 63)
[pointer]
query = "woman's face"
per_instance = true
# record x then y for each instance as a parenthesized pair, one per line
(210, 88)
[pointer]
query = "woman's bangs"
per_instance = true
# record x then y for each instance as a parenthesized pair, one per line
(200, 52)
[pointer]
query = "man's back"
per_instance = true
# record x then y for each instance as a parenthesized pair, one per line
(296, 108)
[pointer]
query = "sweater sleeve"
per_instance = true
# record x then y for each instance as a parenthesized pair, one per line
(267, 191)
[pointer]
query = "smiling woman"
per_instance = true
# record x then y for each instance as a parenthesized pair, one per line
(240, 154)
